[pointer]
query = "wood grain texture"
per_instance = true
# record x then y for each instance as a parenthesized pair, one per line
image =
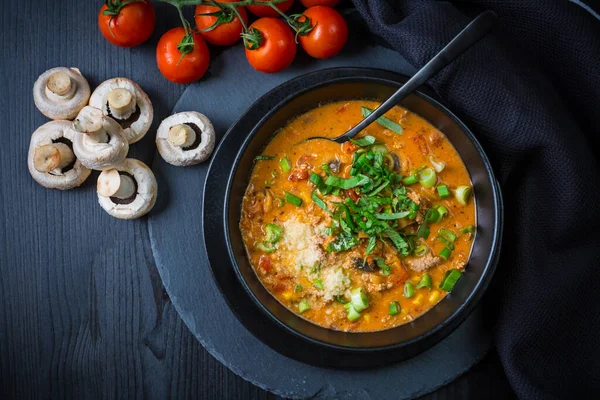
(83, 313)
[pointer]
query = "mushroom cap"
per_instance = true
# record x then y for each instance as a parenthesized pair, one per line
(54, 107)
(47, 134)
(138, 128)
(176, 155)
(101, 156)
(145, 198)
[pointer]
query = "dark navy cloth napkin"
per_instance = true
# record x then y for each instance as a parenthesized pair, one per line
(531, 93)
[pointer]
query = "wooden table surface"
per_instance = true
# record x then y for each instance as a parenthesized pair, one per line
(83, 313)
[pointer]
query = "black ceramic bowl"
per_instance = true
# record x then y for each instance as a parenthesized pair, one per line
(281, 328)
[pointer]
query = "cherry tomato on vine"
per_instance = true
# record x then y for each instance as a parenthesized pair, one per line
(312, 3)
(277, 47)
(126, 23)
(329, 34)
(268, 11)
(228, 28)
(177, 66)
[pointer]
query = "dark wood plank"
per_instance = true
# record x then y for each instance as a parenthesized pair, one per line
(82, 309)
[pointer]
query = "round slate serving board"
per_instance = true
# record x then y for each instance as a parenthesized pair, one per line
(178, 246)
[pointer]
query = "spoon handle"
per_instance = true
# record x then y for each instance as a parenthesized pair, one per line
(470, 35)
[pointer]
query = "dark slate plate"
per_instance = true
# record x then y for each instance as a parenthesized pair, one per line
(176, 234)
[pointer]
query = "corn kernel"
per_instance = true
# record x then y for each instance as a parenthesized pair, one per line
(287, 295)
(418, 300)
(366, 317)
(434, 296)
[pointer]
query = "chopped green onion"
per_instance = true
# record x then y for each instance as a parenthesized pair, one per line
(425, 282)
(468, 229)
(295, 200)
(325, 167)
(280, 202)
(318, 284)
(274, 173)
(318, 201)
(263, 158)
(269, 182)
(273, 233)
(450, 279)
(427, 177)
(363, 142)
(266, 247)
(388, 216)
(451, 236)
(443, 191)
(353, 315)
(359, 299)
(409, 290)
(340, 299)
(411, 180)
(421, 250)
(437, 165)
(445, 253)
(383, 121)
(423, 231)
(432, 215)
(303, 306)
(285, 164)
(298, 289)
(442, 211)
(379, 148)
(394, 308)
(462, 194)
(446, 242)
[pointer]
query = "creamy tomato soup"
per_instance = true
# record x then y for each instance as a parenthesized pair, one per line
(362, 236)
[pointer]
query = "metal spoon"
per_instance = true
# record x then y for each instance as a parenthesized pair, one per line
(472, 33)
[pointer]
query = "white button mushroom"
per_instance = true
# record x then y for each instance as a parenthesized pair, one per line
(127, 191)
(186, 138)
(51, 161)
(123, 100)
(60, 93)
(99, 140)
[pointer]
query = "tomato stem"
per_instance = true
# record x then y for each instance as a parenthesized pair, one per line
(300, 27)
(252, 39)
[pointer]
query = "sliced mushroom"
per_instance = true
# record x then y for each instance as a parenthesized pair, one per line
(363, 265)
(51, 160)
(126, 102)
(99, 140)
(186, 138)
(60, 93)
(127, 191)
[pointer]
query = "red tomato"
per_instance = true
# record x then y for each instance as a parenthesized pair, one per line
(130, 26)
(264, 262)
(188, 68)
(278, 47)
(224, 34)
(329, 34)
(312, 3)
(298, 175)
(267, 11)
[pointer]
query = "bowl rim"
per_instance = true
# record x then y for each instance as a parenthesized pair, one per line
(462, 311)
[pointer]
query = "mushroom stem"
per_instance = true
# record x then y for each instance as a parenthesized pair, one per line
(122, 103)
(181, 135)
(90, 122)
(60, 86)
(113, 184)
(52, 157)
